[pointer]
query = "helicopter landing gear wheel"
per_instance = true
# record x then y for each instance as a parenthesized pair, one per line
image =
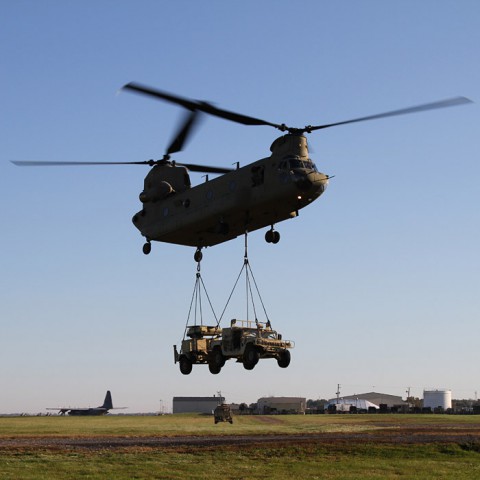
(272, 236)
(147, 247)
(198, 255)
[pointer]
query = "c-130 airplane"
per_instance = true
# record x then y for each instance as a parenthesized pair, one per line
(101, 410)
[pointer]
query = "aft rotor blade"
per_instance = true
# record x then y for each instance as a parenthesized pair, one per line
(191, 166)
(29, 163)
(185, 131)
(198, 105)
(450, 102)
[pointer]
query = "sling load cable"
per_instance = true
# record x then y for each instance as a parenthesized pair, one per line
(248, 272)
(197, 298)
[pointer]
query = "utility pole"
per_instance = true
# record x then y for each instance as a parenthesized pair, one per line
(338, 394)
(408, 392)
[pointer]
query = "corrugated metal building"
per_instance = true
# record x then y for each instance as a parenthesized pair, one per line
(346, 404)
(268, 405)
(196, 404)
(376, 398)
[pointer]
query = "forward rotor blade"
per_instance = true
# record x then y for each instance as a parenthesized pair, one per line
(198, 105)
(191, 120)
(450, 102)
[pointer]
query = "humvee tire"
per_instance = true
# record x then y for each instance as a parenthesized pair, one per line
(217, 358)
(283, 359)
(185, 365)
(250, 357)
(214, 368)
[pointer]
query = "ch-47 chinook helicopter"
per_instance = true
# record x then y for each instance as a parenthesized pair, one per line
(260, 194)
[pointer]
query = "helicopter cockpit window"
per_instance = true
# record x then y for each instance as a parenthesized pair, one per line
(294, 163)
(311, 165)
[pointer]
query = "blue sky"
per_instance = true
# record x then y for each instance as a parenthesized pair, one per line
(377, 282)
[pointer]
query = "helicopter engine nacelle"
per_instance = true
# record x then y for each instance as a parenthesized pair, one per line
(155, 192)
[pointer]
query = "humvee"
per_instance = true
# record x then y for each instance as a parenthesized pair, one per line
(245, 341)
(222, 413)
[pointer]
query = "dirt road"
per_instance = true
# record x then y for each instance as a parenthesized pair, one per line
(397, 434)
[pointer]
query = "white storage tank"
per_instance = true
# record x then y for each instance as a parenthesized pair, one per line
(437, 398)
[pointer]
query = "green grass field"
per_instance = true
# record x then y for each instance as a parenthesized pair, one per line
(354, 458)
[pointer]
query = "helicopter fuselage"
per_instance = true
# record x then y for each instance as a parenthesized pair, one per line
(260, 194)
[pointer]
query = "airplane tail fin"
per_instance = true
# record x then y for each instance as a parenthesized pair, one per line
(107, 403)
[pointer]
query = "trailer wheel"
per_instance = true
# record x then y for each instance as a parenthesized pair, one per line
(283, 359)
(250, 357)
(185, 365)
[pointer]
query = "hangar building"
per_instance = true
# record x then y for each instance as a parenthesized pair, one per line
(267, 405)
(196, 404)
(346, 404)
(376, 398)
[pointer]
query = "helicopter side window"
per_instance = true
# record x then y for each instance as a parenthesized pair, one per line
(258, 174)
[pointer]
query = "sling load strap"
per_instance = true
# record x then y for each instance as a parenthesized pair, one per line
(248, 273)
(197, 299)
